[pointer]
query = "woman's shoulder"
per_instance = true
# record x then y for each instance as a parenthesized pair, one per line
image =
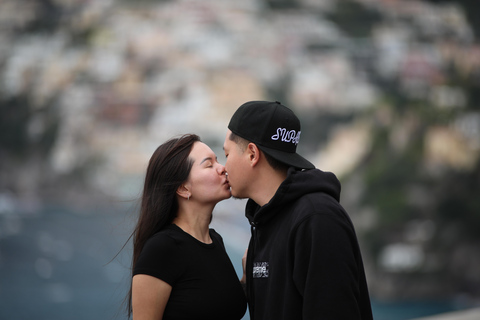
(165, 237)
(216, 237)
(160, 256)
(174, 232)
(214, 233)
(172, 236)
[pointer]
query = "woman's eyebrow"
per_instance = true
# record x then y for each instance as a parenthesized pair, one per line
(207, 158)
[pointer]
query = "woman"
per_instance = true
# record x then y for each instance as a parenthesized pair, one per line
(180, 267)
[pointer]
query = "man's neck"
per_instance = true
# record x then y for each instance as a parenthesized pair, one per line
(267, 185)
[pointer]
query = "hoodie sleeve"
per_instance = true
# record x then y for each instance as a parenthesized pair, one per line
(325, 269)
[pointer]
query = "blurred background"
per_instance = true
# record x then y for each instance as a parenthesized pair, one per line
(388, 93)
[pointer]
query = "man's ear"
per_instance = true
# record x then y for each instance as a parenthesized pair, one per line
(184, 192)
(253, 153)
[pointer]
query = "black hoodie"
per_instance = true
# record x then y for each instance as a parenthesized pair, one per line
(303, 259)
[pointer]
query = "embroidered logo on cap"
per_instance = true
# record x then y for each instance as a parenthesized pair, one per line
(287, 136)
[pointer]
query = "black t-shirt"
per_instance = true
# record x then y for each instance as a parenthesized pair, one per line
(204, 282)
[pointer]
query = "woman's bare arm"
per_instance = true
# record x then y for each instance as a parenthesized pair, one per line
(149, 297)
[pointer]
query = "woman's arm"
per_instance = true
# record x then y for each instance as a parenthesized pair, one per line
(243, 280)
(244, 266)
(149, 297)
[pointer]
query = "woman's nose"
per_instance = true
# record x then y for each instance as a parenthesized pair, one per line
(221, 169)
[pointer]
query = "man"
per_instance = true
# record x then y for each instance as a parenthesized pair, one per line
(303, 260)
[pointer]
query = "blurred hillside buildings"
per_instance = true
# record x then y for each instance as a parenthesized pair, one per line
(126, 76)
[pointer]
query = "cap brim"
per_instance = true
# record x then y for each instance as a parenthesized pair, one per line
(291, 159)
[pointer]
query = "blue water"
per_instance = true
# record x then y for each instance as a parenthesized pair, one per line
(403, 310)
(58, 265)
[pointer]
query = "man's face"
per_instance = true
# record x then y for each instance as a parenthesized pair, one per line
(237, 168)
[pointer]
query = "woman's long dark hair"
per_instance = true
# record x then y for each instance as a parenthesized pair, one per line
(168, 168)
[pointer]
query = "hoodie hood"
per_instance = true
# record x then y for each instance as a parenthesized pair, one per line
(297, 184)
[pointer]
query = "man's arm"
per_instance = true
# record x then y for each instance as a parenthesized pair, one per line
(325, 267)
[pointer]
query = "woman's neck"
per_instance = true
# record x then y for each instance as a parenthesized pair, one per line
(195, 222)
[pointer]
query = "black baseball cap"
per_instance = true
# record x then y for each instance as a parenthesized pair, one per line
(274, 128)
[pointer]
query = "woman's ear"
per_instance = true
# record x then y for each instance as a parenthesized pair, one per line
(184, 192)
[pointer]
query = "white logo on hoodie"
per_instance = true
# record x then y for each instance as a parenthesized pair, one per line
(260, 270)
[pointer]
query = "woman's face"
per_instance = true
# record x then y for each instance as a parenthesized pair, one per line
(207, 181)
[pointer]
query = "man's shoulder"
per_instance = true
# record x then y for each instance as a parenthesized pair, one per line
(316, 202)
(316, 206)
